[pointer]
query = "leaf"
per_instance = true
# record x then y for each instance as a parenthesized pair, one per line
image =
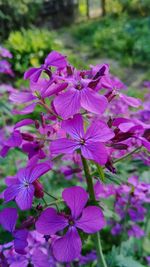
(123, 261)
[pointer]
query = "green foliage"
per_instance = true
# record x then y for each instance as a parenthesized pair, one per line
(124, 39)
(29, 47)
(123, 256)
(17, 13)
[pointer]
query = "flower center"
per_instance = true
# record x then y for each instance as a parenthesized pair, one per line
(71, 222)
(26, 184)
(82, 141)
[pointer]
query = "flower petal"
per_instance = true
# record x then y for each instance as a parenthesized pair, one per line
(95, 151)
(21, 97)
(8, 219)
(56, 59)
(67, 104)
(50, 222)
(92, 220)
(25, 196)
(11, 192)
(31, 173)
(27, 110)
(76, 198)
(23, 122)
(63, 145)
(20, 240)
(33, 74)
(131, 101)
(74, 127)
(99, 131)
(68, 247)
(92, 101)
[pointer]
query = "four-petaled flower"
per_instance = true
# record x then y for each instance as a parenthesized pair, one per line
(21, 188)
(89, 219)
(90, 143)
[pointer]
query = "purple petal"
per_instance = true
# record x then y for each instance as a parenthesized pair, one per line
(50, 222)
(32, 173)
(23, 123)
(93, 102)
(14, 140)
(20, 240)
(145, 143)
(131, 101)
(4, 151)
(126, 126)
(33, 74)
(95, 151)
(63, 145)
(25, 196)
(76, 198)
(99, 131)
(67, 104)
(74, 127)
(21, 97)
(54, 89)
(92, 220)
(68, 247)
(11, 192)
(27, 110)
(56, 59)
(8, 218)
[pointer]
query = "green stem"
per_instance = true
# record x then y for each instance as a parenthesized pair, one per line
(100, 256)
(127, 155)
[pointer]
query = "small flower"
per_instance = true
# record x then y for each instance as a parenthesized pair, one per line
(88, 219)
(22, 188)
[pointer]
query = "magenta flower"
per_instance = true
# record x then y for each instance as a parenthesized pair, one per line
(90, 143)
(8, 219)
(79, 95)
(54, 59)
(88, 219)
(22, 188)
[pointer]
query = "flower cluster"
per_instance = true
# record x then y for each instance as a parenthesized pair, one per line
(81, 122)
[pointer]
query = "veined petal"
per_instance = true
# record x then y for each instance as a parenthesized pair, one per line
(74, 127)
(31, 173)
(76, 198)
(27, 110)
(8, 219)
(67, 104)
(131, 101)
(21, 97)
(92, 101)
(33, 74)
(68, 247)
(56, 59)
(20, 240)
(95, 151)
(99, 131)
(25, 196)
(63, 145)
(50, 222)
(92, 220)
(11, 192)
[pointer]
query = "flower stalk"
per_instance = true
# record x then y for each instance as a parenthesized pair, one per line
(100, 256)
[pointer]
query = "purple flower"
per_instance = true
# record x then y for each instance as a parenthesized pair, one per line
(88, 219)
(8, 219)
(14, 140)
(90, 143)
(4, 52)
(136, 231)
(22, 188)
(54, 59)
(79, 95)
